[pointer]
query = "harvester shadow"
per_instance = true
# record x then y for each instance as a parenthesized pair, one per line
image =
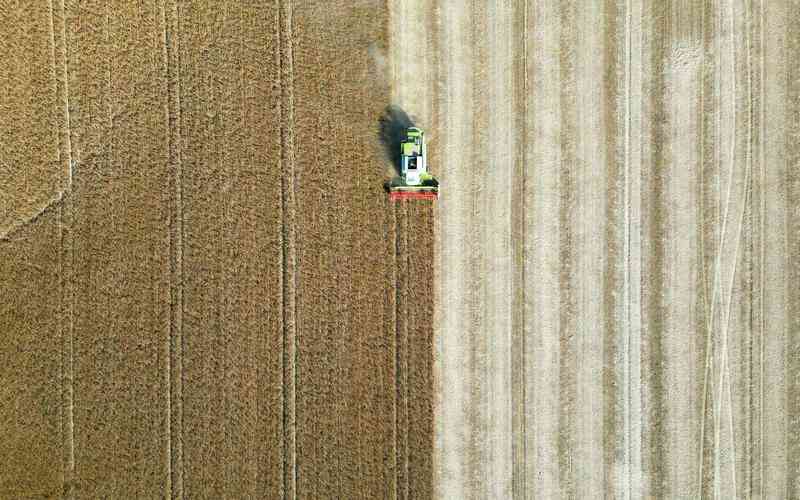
(391, 132)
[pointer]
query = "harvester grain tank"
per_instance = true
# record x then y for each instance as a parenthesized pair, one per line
(414, 181)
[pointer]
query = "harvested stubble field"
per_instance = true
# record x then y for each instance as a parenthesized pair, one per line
(618, 244)
(206, 292)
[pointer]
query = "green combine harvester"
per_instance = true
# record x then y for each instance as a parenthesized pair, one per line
(414, 182)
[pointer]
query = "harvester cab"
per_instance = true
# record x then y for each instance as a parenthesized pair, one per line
(414, 182)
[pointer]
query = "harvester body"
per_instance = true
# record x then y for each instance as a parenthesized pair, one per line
(414, 181)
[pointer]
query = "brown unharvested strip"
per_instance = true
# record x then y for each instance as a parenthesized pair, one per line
(30, 361)
(400, 304)
(232, 353)
(419, 353)
(121, 202)
(345, 399)
(31, 174)
(414, 349)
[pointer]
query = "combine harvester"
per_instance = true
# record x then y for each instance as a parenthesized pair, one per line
(414, 182)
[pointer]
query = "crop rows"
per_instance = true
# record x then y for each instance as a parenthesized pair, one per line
(209, 308)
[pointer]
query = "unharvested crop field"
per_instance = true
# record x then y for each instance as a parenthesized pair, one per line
(205, 293)
(205, 290)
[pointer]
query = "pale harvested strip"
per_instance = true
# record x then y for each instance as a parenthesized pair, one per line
(792, 183)
(618, 438)
(568, 307)
(121, 201)
(713, 76)
(655, 215)
(652, 227)
(775, 285)
(232, 350)
(749, 429)
(732, 388)
(519, 204)
(457, 446)
(628, 474)
(715, 461)
(411, 68)
(475, 306)
(595, 251)
(678, 166)
(541, 248)
(497, 167)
